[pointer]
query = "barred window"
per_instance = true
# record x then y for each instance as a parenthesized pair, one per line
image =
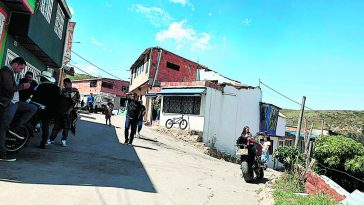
(46, 9)
(182, 104)
(58, 26)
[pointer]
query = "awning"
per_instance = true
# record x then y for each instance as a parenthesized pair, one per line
(182, 92)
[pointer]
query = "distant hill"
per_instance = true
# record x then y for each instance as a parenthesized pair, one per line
(79, 76)
(341, 121)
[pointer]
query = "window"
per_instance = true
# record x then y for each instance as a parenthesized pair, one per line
(182, 105)
(288, 142)
(46, 9)
(58, 26)
(172, 66)
(107, 85)
(93, 84)
(125, 89)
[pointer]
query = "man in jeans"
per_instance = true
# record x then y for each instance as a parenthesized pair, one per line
(10, 104)
(68, 100)
(132, 115)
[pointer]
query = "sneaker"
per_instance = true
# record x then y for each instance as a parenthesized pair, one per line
(7, 158)
(16, 135)
(64, 144)
(49, 142)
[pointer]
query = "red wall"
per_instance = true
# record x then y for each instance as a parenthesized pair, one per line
(117, 87)
(187, 71)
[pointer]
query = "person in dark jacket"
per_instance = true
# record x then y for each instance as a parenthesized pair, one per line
(68, 100)
(24, 95)
(48, 94)
(132, 115)
(10, 104)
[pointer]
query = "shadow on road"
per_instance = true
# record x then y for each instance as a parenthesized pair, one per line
(93, 158)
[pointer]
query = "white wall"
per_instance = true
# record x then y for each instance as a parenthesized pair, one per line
(226, 115)
(195, 122)
(281, 126)
(210, 75)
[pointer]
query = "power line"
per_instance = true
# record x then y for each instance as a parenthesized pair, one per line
(81, 70)
(290, 99)
(96, 66)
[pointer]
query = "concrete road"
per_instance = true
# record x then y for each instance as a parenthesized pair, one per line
(97, 169)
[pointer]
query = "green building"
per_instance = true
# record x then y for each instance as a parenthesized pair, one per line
(35, 30)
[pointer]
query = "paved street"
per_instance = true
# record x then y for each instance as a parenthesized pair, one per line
(96, 168)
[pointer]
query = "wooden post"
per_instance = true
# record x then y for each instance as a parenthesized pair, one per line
(298, 132)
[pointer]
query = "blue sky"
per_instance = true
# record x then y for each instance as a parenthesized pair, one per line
(313, 48)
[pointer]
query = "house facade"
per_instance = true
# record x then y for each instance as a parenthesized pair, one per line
(36, 31)
(104, 90)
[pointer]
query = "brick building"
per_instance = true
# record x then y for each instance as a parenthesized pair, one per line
(157, 65)
(104, 90)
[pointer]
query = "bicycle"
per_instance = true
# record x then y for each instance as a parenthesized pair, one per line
(177, 120)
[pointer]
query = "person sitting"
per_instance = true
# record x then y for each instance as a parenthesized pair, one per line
(48, 94)
(246, 137)
(10, 104)
(24, 95)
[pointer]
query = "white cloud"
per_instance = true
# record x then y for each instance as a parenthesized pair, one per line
(96, 42)
(182, 34)
(155, 15)
(183, 3)
(71, 10)
(90, 69)
(246, 22)
(210, 13)
(107, 4)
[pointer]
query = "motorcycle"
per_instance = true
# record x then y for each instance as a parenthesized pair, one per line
(251, 164)
(16, 141)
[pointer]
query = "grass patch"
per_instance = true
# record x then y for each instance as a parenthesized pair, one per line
(288, 185)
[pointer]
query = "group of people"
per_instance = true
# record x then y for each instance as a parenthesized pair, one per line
(14, 99)
(262, 148)
(134, 118)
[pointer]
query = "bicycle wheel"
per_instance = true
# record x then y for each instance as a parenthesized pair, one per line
(183, 124)
(169, 124)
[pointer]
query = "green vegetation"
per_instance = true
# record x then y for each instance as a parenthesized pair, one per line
(79, 76)
(288, 185)
(288, 156)
(348, 123)
(343, 154)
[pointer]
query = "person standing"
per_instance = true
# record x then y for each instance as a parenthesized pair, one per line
(141, 116)
(265, 152)
(48, 94)
(108, 112)
(131, 119)
(24, 95)
(69, 98)
(10, 104)
(90, 102)
(82, 103)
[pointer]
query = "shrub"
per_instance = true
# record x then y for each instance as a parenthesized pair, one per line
(335, 151)
(288, 156)
(355, 166)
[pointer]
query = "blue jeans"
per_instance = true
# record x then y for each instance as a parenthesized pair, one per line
(140, 125)
(130, 122)
(7, 114)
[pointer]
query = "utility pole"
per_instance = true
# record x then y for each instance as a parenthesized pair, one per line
(298, 132)
(322, 126)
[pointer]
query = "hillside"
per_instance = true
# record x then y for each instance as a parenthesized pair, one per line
(341, 121)
(79, 76)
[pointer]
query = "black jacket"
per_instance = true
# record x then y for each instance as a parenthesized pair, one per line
(25, 94)
(48, 94)
(8, 86)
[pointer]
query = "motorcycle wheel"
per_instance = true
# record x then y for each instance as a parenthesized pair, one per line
(261, 173)
(247, 172)
(14, 144)
(169, 124)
